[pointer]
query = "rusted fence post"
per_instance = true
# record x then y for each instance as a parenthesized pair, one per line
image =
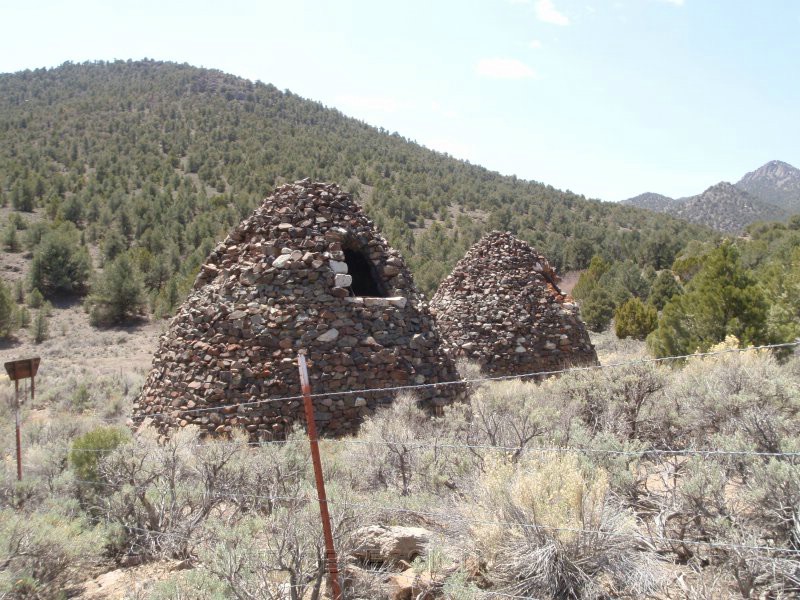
(311, 428)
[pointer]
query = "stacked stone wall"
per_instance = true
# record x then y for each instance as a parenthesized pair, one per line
(501, 307)
(277, 286)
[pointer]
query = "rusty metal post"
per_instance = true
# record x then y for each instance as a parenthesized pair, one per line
(19, 436)
(311, 428)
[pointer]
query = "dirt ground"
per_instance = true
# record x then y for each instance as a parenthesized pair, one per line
(73, 345)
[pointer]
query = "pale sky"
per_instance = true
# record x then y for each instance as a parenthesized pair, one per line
(605, 98)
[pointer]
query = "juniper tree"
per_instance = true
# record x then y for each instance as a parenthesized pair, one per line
(722, 299)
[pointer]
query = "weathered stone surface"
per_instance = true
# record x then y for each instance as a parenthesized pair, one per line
(282, 261)
(381, 543)
(279, 284)
(338, 266)
(411, 585)
(328, 336)
(343, 280)
(501, 306)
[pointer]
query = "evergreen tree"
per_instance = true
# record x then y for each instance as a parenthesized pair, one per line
(6, 311)
(118, 294)
(784, 314)
(597, 309)
(591, 277)
(40, 327)
(60, 263)
(10, 239)
(114, 245)
(635, 319)
(22, 197)
(722, 299)
(35, 298)
(664, 288)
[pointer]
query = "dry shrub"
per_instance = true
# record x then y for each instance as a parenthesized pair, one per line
(511, 415)
(401, 449)
(41, 553)
(548, 527)
(746, 393)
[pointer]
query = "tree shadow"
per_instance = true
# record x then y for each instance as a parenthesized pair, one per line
(64, 300)
(9, 343)
(132, 325)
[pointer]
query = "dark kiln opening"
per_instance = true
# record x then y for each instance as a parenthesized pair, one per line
(365, 282)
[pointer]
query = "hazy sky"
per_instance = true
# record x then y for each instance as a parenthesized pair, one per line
(606, 98)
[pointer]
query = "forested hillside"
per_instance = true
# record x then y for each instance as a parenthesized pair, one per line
(158, 160)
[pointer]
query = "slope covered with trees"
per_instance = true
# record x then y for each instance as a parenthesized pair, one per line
(159, 160)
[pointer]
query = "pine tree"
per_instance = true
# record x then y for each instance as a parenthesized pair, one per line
(597, 309)
(10, 238)
(60, 263)
(635, 319)
(40, 327)
(118, 295)
(664, 288)
(722, 299)
(6, 311)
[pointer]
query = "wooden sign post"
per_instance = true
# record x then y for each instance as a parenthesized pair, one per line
(21, 369)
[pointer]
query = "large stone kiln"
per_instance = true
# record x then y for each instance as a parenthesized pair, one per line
(501, 306)
(306, 272)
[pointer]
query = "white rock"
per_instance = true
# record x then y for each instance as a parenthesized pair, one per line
(338, 266)
(398, 301)
(343, 280)
(282, 261)
(376, 302)
(328, 336)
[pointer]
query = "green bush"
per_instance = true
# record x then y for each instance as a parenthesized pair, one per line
(722, 299)
(118, 295)
(40, 327)
(635, 319)
(664, 288)
(60, 263)
(7, 320)
(597, 309)
(89, 448)
(35, 298)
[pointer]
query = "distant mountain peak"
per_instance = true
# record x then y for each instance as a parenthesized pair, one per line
(776, 182)
(723, 186)
(727, 207)
(651, 201)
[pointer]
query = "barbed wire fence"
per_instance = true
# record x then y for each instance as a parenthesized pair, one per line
(643, 454)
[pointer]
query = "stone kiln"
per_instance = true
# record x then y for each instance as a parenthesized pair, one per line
(501, 307)
(307, 271)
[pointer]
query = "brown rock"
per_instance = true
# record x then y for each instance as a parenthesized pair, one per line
(496, 305)
(236, 337)
(380, 543)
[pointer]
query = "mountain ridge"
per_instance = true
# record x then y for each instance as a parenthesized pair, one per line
(769, 193)
(170, 157)
(776, 182)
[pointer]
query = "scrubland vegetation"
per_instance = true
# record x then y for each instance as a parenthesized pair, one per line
(661, 480)
(745, 287)
(590, 485)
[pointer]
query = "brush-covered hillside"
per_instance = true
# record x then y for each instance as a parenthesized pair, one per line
(163, 159)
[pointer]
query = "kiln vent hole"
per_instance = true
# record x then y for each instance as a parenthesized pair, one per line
(365, 283)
